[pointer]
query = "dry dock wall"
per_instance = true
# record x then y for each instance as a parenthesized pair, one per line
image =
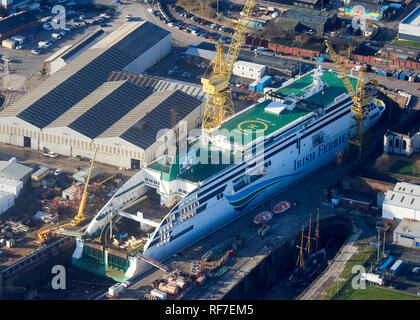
(280, 262)
(35, 268)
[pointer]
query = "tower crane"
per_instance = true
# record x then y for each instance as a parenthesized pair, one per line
(219, 104)
(361, 100)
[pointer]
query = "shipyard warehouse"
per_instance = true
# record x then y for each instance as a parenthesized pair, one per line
(85, 105)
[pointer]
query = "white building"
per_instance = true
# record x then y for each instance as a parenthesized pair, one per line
(407, 233)
(7, 200)
(402, 203)
(404, 144)
(11, 186)
(409, 27)
(248, 70)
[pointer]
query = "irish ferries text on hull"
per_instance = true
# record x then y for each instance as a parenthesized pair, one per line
(178, 199)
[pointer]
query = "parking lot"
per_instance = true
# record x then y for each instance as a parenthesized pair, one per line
(406, 280)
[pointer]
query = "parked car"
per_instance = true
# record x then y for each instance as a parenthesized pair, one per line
(36, 51)
(57, 172)
(47, 26)
(51, 154)
(415, 270)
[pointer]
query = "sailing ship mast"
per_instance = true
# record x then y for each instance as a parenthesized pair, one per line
(300, 261)
(317, 231)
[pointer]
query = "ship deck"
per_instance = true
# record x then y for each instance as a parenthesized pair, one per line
(255, 122)
(149, 205)
(335, 88)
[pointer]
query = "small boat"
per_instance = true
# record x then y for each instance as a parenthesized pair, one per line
(281, 207)
(263, 217)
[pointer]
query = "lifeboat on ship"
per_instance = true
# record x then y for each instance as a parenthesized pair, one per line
(263, 217)
(281, 207)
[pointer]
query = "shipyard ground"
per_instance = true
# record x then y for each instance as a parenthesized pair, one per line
(27, 206)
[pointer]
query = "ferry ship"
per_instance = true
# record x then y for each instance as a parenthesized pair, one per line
(179, 199)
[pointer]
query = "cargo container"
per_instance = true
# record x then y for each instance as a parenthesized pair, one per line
(381, 72)
(7, 200)
(396, 75)
(263, 82)
(159, 294)
(386, 263)
(253, 86)
(40, 174)
(396, 267)
(9, 43)
(413, 77)
(403, 75)
(372, 277)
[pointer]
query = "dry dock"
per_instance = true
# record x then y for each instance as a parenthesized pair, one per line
(259, 260)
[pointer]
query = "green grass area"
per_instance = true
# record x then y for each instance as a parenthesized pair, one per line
(372, 293)
(364, 256)
(406, 168)
(407, 43)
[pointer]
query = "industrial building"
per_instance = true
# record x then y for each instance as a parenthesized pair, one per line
(17, 23)
(311, 4)
(407, 233)
(403, 144)
(390, 52)
(317, 20)
(15, 171)
(402, 203)
(159, 84)
(77, 109)
(68, 52)
(367, 9)
(19, 5)
(409, 27)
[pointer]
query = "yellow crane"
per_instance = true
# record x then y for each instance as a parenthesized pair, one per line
(49, 234)
(81, 213)
(360, 139)
(219, 104)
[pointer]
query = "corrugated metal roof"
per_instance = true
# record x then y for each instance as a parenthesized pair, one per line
(401, 199)
(16, 20)
(159, 84)
(408, 227)
(141, 126)
(14, 170)
(107, 110)
(87, 72)
(407, 188)
(85, 104)
(410, 52)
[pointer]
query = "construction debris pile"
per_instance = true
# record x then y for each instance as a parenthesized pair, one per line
(212, 265)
